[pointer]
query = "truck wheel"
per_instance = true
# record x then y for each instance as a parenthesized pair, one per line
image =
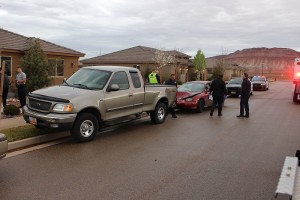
(200, 106)
(295, 98)
(158, 116)
(85, 127)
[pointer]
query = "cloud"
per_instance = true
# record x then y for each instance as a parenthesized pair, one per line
(91, 25)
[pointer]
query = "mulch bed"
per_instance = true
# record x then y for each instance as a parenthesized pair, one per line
(11, 101)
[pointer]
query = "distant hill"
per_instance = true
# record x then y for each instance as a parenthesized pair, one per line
(276, 62)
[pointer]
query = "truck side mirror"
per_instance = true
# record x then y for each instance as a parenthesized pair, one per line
(113, 87)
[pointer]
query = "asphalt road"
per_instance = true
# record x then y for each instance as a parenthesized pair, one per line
(191, 157)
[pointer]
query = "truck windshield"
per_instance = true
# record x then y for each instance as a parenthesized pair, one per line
(92, 79)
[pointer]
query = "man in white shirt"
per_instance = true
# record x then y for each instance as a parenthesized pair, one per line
(21, 85)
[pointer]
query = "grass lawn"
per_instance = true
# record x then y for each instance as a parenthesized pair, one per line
(22, 132)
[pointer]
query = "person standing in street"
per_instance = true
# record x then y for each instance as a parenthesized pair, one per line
(21, 85)
(218, 91)
(245, 95)
(5, 88)
(153, 77)
(172, 81)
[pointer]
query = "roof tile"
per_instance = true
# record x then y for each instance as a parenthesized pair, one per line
(14, 41)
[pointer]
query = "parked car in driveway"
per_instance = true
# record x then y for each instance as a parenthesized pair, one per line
(3, 145)
(234, 87)
(193, 95)
(260, 83)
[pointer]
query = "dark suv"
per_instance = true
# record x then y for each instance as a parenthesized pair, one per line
(234, 87)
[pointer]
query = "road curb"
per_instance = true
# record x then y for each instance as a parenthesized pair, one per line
(36, 140)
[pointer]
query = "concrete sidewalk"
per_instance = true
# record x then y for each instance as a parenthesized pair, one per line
(12, 122)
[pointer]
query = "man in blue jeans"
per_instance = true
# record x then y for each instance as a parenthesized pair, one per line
(245, 95)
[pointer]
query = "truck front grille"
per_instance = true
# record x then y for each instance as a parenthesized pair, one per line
(39, 105)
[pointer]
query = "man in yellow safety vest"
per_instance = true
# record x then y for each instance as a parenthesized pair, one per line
(153, 77)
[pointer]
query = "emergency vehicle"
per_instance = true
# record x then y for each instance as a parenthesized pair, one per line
(296, 81)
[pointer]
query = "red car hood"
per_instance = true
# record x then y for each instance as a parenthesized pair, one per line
(182, 95)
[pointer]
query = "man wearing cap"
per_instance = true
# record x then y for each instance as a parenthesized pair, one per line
(245, 95)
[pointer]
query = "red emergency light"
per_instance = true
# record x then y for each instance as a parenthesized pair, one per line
(297, 69)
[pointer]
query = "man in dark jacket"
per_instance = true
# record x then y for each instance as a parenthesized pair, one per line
(172, 81)
(217, 90)
(245, 95)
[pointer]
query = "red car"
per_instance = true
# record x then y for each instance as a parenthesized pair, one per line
(193, 95)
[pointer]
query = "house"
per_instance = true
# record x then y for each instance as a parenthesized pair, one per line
(230, 69)
(144, 58)
(13, 47)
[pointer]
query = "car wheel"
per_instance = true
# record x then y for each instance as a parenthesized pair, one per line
(200, 106)
(85, 127)
(158, 116)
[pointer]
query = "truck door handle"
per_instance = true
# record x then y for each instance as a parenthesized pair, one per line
(130, 94)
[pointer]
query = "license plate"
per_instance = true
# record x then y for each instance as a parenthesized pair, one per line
(233, 92)
(32, 120)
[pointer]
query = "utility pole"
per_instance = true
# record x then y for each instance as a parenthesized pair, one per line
(262, 69)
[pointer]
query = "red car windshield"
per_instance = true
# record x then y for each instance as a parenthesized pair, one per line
(191, 87)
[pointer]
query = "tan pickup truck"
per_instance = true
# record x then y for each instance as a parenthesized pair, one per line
(95, 96)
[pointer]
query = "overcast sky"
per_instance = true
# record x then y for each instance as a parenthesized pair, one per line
(98, 26)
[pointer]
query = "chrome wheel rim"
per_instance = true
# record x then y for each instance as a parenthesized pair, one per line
(87, 128)
(160, 113)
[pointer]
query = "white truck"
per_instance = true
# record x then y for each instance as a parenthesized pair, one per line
(95, 96)
(296, 81)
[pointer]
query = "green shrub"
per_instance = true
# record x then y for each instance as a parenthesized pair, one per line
(11, 110)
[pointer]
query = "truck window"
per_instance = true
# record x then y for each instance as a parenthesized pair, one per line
(135, 79)
(121, 79)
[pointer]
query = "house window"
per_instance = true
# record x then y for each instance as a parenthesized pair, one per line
(8, 63)
(56, 67)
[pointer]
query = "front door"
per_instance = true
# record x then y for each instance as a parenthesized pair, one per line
(119, 103)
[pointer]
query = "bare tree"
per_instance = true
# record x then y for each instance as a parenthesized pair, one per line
(163, 58)
(221, 64)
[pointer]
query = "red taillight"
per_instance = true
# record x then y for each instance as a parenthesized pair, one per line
(298, 63)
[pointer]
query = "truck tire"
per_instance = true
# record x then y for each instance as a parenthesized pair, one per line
(158, 116)
(85, 127)
(200, 106)
(295, 98)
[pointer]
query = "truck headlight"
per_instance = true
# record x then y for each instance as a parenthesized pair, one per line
(189, 99)
(61, 107)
